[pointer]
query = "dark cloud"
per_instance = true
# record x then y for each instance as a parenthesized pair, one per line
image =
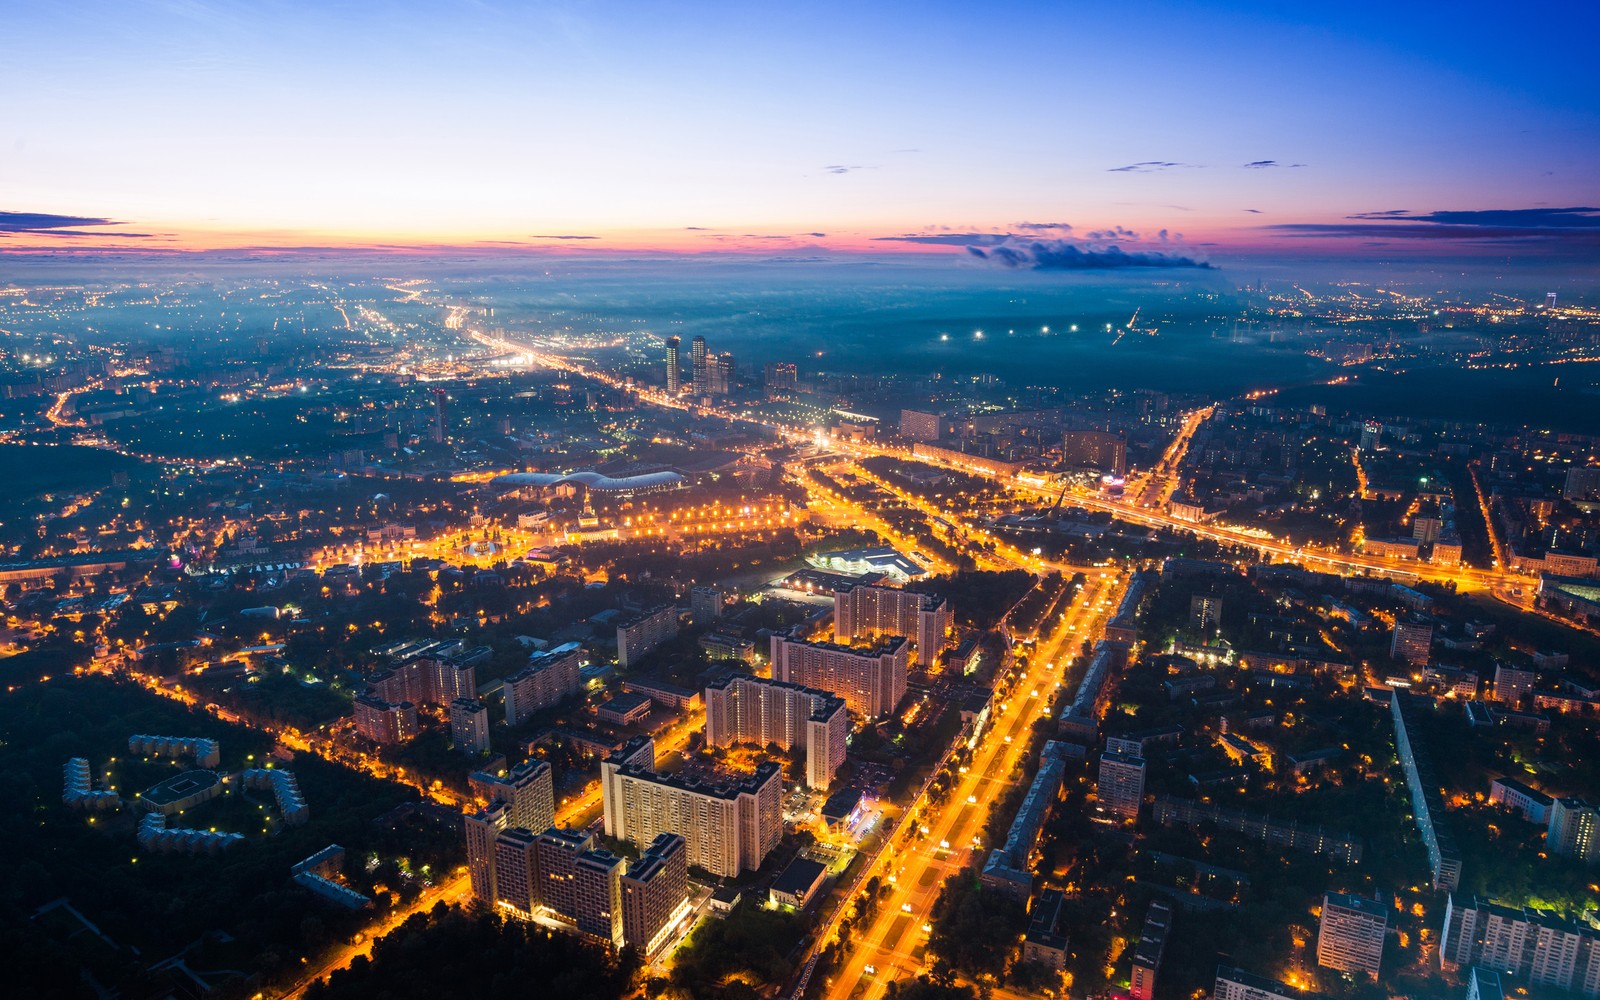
(563, 237)
(32, 222)
(46, 224)
(1553, 228)
(1114, 233)
(1265, 164)
(697, 229)
(1529, 218)
(1254, 211)
(1034, 227)
(815, 235)
(1062, 255)
(1145, 167)
(841, 169)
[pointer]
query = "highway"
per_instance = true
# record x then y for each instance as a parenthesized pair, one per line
(915, 864)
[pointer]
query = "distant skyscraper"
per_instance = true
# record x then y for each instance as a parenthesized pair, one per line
(697, 367)
(781, 375)
(1549, 300)
(1371, 435)
(674, 366)
(720, 375)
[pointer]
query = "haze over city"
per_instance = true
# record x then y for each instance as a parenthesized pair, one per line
(866, 502)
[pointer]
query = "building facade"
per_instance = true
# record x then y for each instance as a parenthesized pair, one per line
(642, 634)
(730, 822)
(1120, 784)
(1350, 933)
(871, 681)
(550, 678)
(862, 611)
(744, 709)
(469, 725)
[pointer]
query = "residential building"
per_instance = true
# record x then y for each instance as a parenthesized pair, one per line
(1009, 868)
(1533, 804)
(864, 611)
(483, 829)
(705, 604)
(639, 636)
(551, 677)
(916, 425)
(1147, 953)
(1237, 984)
(730, 822)
(385, 722)
(516, 870)
(1120, 785)
(1205, 612)
(1511, 683)
(1350, 933)
(625, 709)
(655, 893)
(1536, 945)
(1573, 829)
(745, 709)
(1044, 941)
(1412, 642)
(871, 680)
(469, 725)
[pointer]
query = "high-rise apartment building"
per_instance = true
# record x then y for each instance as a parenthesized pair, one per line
(469, 725)
(1120, 784)
(745, 709)
(1101, 450)
(1350, 933)
(483, 829)
(871, 681)
(674, 366)
(1512, 683)
(699, 369)
(655, 893)
(383, 721)
(705, 604)
(730, 822)
(1205, 612)
(864, 611)
(1573, 829)
(549, 678)
(1147, 953)
(916, 425)
(516, 870)
(642, 634)
(1528, 943)
(579, 883)
(1412, 642)
(430, 678)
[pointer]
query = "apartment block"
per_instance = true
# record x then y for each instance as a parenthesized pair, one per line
(871, 681)
(469, 725)
(550, 678)
(639, 636)
(655, 893)
(743, 709)
(730, 822)
(1120, 784)
(869, 611)
(1350, 934)
(385, 722)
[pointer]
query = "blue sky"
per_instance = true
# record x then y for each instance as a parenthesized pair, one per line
(705, 126)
